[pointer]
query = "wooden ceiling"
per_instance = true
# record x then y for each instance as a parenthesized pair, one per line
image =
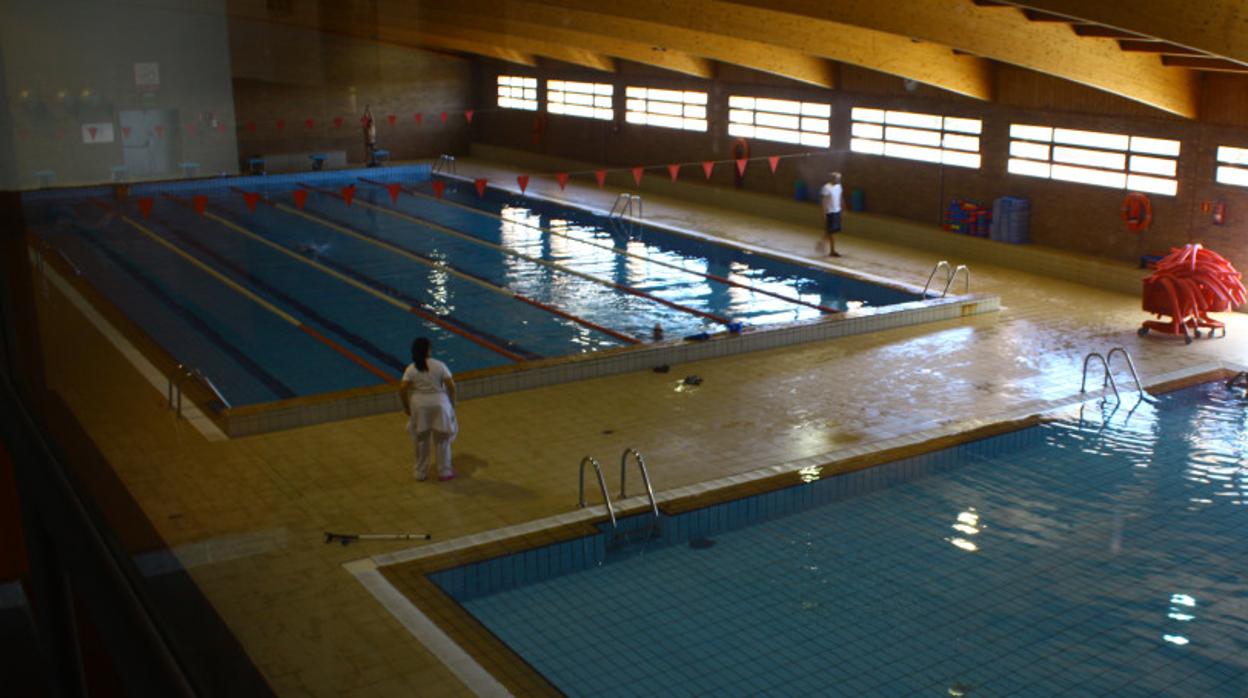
(1149, 51)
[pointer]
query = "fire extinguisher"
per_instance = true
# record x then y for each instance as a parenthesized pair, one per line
(1219, 213)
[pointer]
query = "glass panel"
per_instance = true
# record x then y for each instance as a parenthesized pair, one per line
(862, 130)
(1083, 175)
(1031, 133)
(738, 102)
(1160, 166)
(1155, 146)
(1094, 139)
(910, 135)
(1093, 158)
(1232, 175)
(777, 120)
(875, 116)
(905, 118)
(1028, 167)
(814, 125)
(859, 145)
(1234, 156)
(822, 111)
(953, 123)
(739, 116)
(695, 98)
(961, 159)
(816, 140)
(779, 106)
(1023, 149)
(1152, 185)
(741, 130)
(956, 142)
(775, 134)
(912, 152)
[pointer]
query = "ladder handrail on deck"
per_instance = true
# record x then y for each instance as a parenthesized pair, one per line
(954, 276)
(1109, 377)
(1130, 365)
(602, 485)
(623, 206)
(948, 275)
(645, 477)
(445, 164)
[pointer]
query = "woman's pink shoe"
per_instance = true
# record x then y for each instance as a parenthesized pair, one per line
(448, 476)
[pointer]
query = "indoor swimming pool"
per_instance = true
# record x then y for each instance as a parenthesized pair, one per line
(1098, 554)
(295, 285)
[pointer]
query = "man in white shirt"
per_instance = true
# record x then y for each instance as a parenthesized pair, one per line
(832, 196)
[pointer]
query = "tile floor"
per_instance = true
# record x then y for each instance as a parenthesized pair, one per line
(250, 513)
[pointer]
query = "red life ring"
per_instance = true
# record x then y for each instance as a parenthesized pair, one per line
(1137, 212)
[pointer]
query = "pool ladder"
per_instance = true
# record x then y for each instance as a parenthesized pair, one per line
(626, 205)
(174, 390)
(951, 275)
(1106, 361)
(445, 164)
(602, 482)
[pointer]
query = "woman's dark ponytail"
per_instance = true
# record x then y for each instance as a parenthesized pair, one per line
(420, 354)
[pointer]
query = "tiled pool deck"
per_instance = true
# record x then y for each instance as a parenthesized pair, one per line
(247, 516)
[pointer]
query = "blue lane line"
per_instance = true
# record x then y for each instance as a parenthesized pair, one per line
(368, 347)
(397, 293)
(256, 370)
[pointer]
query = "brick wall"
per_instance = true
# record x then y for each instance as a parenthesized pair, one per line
(1064, 215)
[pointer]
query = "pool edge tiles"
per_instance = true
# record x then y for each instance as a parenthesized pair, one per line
(576, 535)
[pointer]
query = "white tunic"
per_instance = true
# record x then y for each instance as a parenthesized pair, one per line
(831, 195)
(430, 405)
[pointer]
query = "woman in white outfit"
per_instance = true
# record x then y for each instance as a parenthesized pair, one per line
(428, 396)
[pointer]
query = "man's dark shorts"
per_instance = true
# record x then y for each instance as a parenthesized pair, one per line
(833, 222)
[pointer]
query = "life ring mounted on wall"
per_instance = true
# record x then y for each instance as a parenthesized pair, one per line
(1137, 212)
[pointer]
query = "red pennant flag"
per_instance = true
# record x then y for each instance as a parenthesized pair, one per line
(707, 167)
(190, 129)
(673, 170)
(523, 181)
(637, 174)
(348, 193)
(563, 180)
(438, 186)
(774, 161)
(145, 205)
(468, 115)
(337, 122)
(281, 124)
(394, 189)
(443, 117)
(601, 176)
(741, 166)
(301, 197)
(251, 198)
(251, 126)
(480, 186)
(160, 131)
(91, 130)
(309, 123)
(363, 120)
(220, 127)
(390, 118)
(125, 131)
(199, 202)
(418, 117)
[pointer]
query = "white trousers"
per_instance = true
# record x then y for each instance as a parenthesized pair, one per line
(427, 441)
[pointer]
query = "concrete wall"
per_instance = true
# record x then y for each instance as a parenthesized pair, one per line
(1064, 215)
(68, 63)
(288, 70)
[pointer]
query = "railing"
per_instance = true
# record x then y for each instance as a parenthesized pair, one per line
(624, 206)
(445, 164)
(645, 477)
(602, 485)
(1109, 377)
(942, 264)
(174, 390)
(1109, 357)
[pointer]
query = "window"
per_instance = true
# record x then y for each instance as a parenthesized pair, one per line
(588, 99)
(1232, 166)
(1090, 157)
(515, 92)
(803, 123)
(670, 108)
(948, 140)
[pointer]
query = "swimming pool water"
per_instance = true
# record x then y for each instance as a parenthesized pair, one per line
(343, 288)
(1094, 558)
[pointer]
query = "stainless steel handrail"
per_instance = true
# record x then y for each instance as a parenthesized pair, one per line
(954, 276)
(70, 262)
(637, 199)
(445, 164)
(948, 275)
(618, 209)
(1130, 365)
(201, 376)
(1109, 377)
(602, 484)
(645, 477)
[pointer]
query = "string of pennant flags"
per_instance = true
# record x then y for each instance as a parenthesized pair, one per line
(299, 196)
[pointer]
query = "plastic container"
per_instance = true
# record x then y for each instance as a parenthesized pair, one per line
(800, 192)
(857, 200)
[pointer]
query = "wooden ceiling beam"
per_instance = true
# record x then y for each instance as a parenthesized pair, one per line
(760, 29)
(1217, 27)
(1009, 37)
(1154, 46)
(1102, 32)
(1204, 63)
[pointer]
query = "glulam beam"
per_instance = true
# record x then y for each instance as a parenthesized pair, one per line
(1044, 47)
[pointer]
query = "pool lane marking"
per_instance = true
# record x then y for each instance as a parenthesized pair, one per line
(412, 191)
(223, 261)
(507, 251)
(247, 293)
(443, 266)
(431, 317)
(146, 369)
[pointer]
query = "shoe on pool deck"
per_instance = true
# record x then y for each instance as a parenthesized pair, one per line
(448, 476)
